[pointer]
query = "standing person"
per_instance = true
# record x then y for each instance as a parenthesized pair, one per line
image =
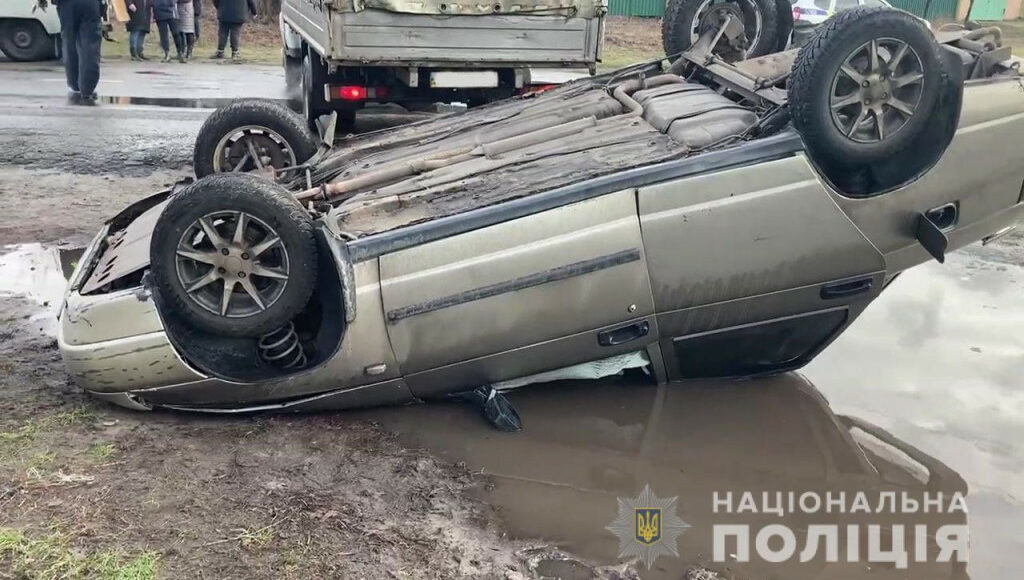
(187, 26)
(231, 15)
(80, 34)
(165, 13)
(139, 14)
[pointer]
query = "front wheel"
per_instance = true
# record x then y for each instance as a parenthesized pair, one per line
(25, 40)
(234, 255)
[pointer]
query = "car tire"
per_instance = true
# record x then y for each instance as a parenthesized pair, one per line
(854, 109)
(25, 40)
(314, 77)
(277, 133)
(276, 253)
(681, 16)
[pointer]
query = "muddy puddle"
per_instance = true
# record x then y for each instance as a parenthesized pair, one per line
(923, 394)
(38, 273)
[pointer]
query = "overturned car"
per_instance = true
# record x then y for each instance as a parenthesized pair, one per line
(716, 219)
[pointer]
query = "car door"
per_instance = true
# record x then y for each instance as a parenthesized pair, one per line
(754, 269)
(532, 294)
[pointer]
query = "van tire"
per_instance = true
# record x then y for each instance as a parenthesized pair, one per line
(25, 40)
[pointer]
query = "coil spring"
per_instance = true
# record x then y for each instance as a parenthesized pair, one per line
(282, 348)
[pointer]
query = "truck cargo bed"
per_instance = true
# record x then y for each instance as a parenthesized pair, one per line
(381, 37)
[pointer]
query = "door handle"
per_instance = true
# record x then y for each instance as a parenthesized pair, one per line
(847, 288)
(945, 216)
(624, 334)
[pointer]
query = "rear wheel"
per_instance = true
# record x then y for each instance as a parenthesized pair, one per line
(863, 88)
(314, 77)
(235, 255)
(292, 71)
(252, 135)
(686, 20)
(25, 40)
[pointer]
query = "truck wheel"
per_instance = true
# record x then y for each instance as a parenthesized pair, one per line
(234, 255)
(252, 135)
(686, 20)
(25, 40)
(292, 70)
(865, 85)
(314, 77)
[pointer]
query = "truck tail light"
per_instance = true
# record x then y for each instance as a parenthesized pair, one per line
(356, 93)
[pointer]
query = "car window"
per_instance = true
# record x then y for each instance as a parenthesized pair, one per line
(846, 4)
(873, 3)
(823, 4)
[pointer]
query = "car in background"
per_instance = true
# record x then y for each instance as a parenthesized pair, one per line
(28, 33)
(809, 14)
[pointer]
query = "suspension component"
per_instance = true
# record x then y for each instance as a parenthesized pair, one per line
(282, 348)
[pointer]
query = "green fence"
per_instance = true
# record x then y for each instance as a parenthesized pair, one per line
(935, 8)
(652, 8)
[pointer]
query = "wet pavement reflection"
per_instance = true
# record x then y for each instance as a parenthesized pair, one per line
(926, 396)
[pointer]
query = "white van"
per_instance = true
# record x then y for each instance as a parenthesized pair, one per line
(27, 34)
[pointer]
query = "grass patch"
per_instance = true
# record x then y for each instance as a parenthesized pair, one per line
(101, 451)
(616, 57)
(51, 556)
(17, 444)
(255, 538)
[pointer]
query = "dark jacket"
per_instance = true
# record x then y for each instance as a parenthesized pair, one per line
(165, 10)
(138, 19)
(234, 11)
(197, 5)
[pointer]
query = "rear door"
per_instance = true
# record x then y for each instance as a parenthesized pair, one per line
(754, 269)
(536, 293)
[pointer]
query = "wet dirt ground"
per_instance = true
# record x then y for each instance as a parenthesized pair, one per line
(431, 491)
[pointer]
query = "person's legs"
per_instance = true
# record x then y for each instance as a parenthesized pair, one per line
(179, 40)
(164, 28)
(222, 39)
(142, 45)
(236, 34)
(89, 38)
(133, 44)
(69, 38)
(190, 43)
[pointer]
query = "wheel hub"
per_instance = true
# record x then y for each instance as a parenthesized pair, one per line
(22, 39)
(876, 90)
(232, 264)
(253, 148)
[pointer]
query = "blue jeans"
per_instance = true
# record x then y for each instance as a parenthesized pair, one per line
(80, 33)
(136, 41)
